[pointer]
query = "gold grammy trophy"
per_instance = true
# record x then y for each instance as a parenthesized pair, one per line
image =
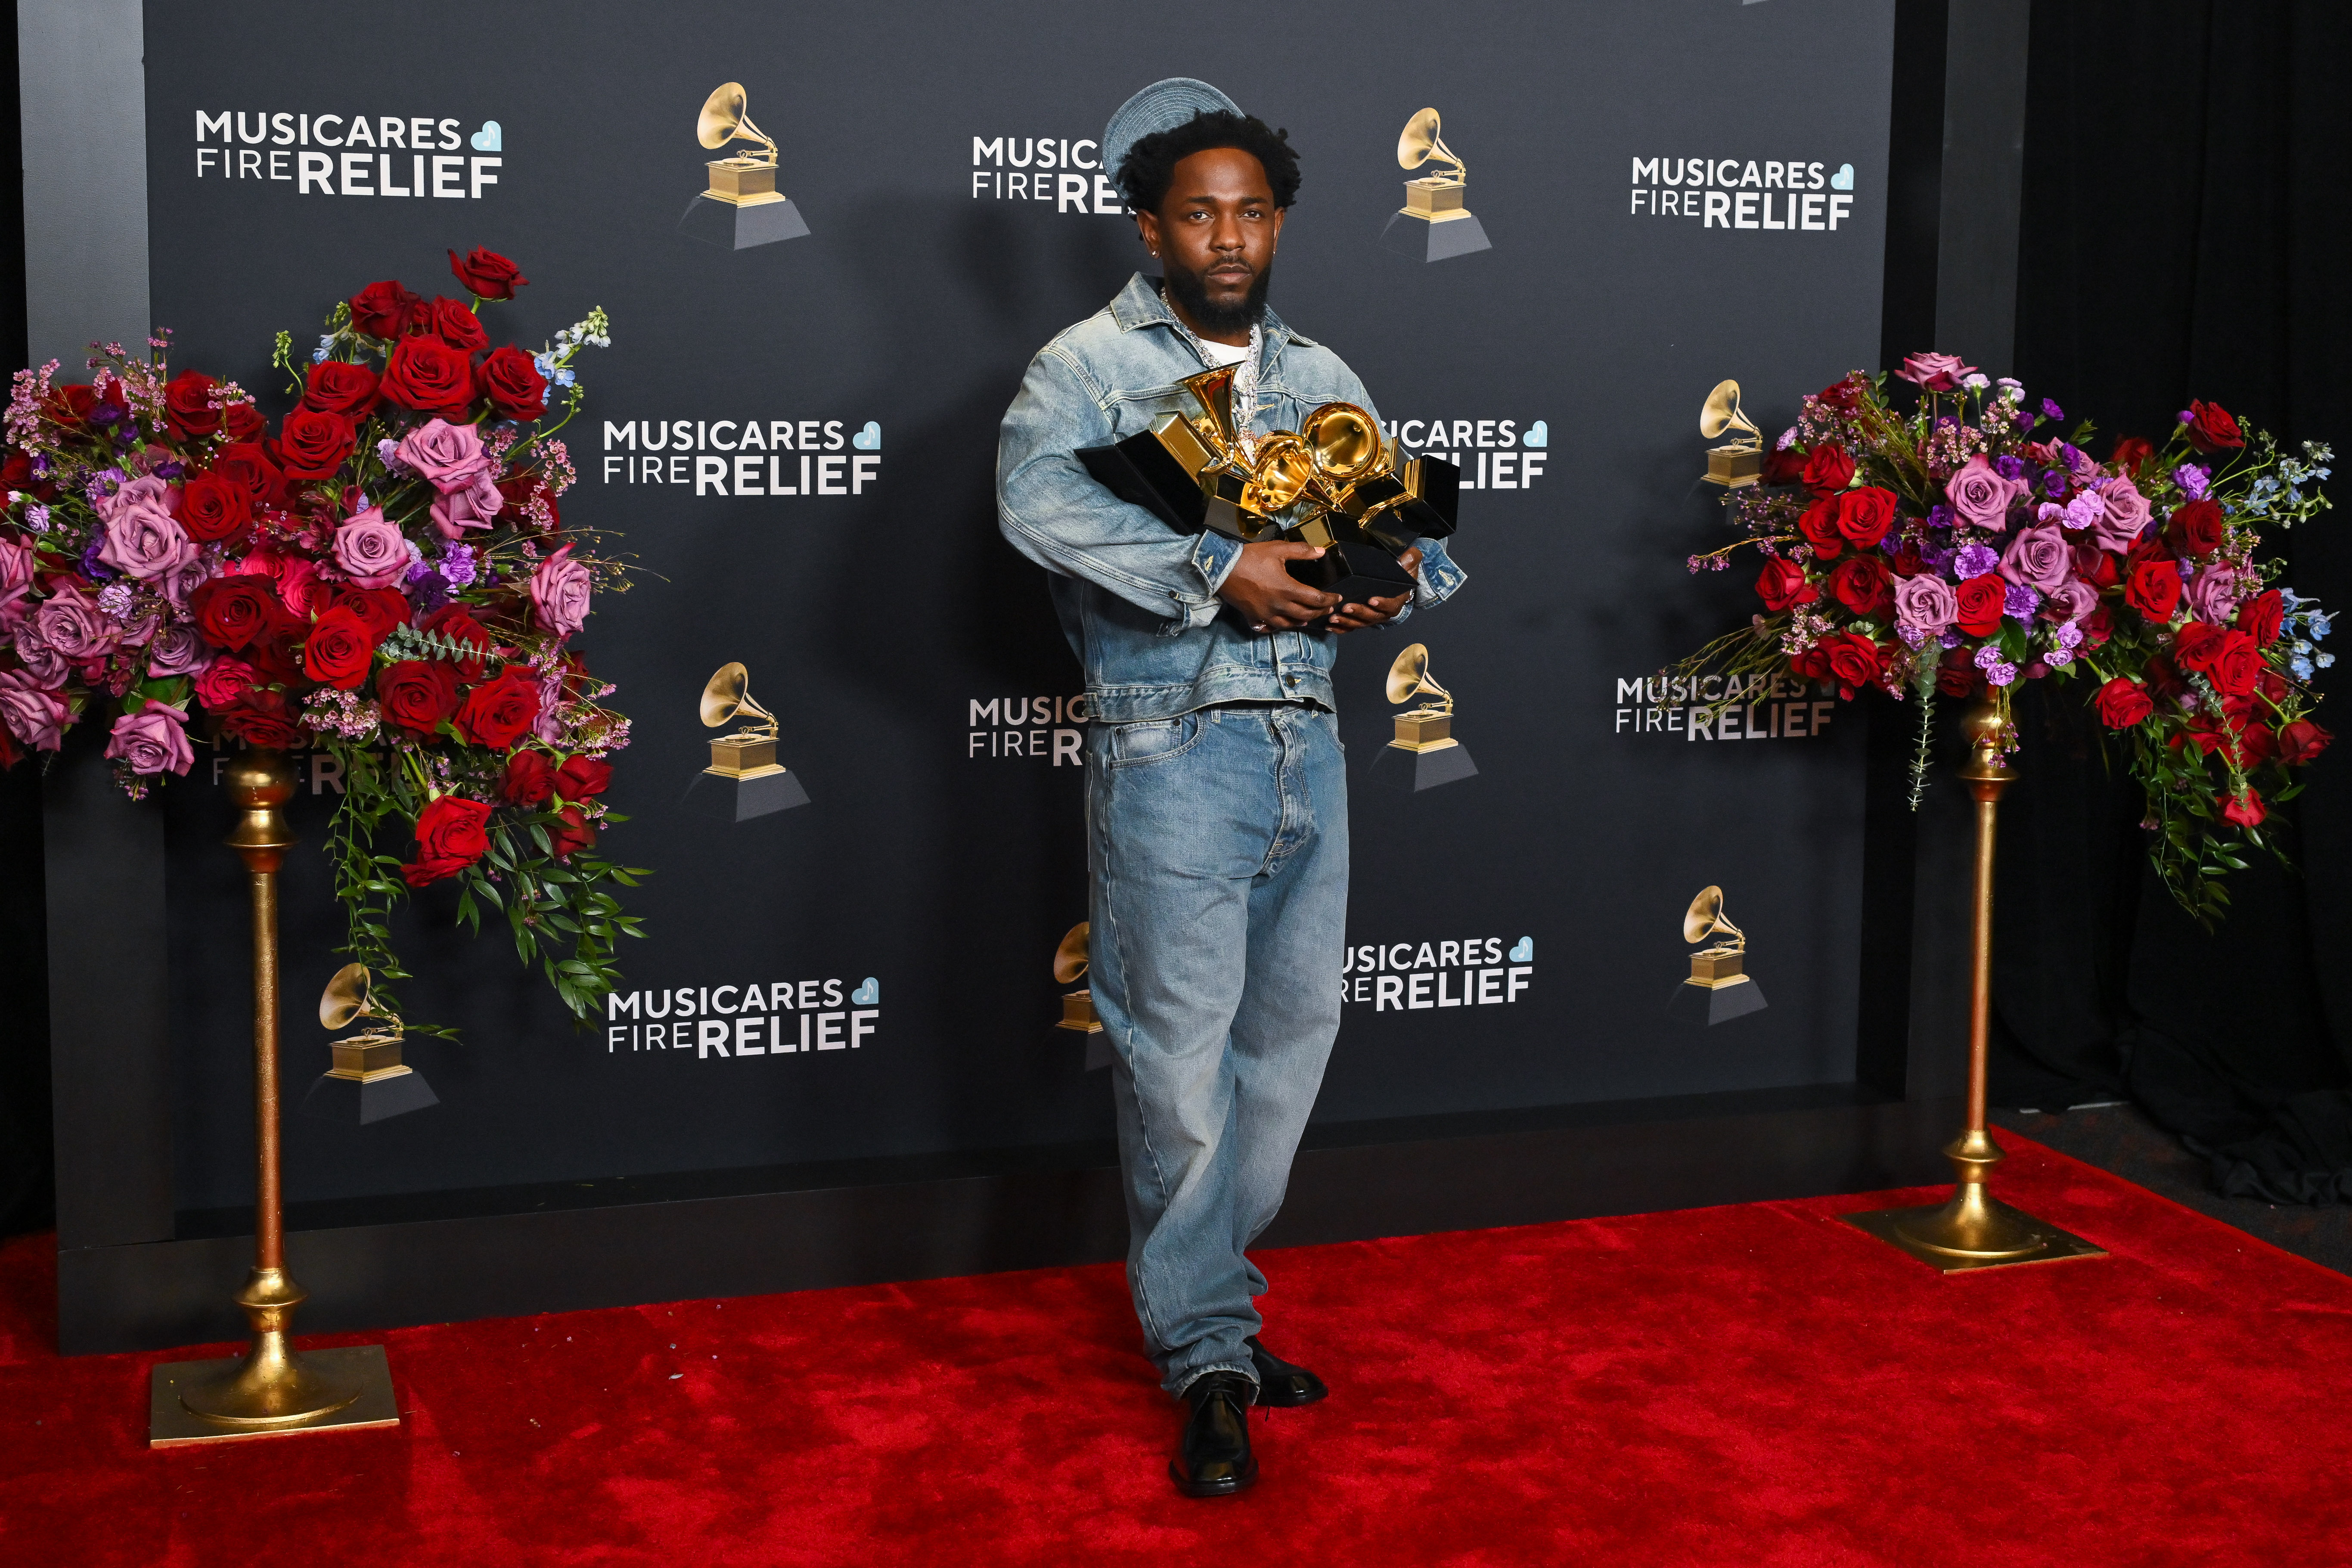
(751, 783)
(1071, 961)
(368, 1081)
(1424, 734)
(1434, 224)
(1974, 1229)
(1719, 988)
(743, 207)
(271, 1389)
(1740, 461)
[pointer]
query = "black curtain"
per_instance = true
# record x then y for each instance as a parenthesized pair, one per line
(2188, 205)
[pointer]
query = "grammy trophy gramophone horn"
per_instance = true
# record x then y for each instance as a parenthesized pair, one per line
(1704, 919)
(726, 695)
(1740, 461)
(1342, 442)
(349, 995)
(1070, 959)
(1408, 677)
(723, 120)
(1721, 411)
(1420, 143)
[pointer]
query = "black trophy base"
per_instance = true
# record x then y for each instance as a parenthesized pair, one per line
(355, 1103)
(1704, 1005)
(712, 795)
(732, 227)
(1426, 241)
(1356, 573)
(1413, 772)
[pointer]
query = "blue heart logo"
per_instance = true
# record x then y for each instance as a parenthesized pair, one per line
(1844, 179)
(1526, 951)
(868, 994)
(1538, 435)
(488, 139)
(868, 439)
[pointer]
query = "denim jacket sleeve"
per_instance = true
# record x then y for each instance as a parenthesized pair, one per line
(1054, 512)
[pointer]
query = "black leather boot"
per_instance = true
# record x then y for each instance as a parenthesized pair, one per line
(1212, 1457)
(1281, 1383)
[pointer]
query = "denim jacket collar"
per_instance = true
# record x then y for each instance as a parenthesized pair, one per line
(1140, 305)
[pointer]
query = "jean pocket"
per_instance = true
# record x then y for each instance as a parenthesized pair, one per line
(1153, 740)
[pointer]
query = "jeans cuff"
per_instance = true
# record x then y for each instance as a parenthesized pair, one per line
(1243, 1369)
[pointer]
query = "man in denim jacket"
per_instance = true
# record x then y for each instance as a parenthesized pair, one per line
(1217, 806)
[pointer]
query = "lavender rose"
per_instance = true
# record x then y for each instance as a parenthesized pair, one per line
(42, 662)
(558, 592)
(449, 456)
(372, 550)
(2069, 601)
(33, 713)
(16, 582)
(178, 650)
(1926, 603)
(2126, 514)
(1934, 372)
(2213, 593)
(143, 540)
(145, 491)
(75, 627)
(1981, 495)
(2038, 558)
(473, 507)
(152, 740)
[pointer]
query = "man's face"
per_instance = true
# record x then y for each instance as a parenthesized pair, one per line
(1216, 235)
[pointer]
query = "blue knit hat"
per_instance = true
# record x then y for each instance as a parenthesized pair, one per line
(1162, 106)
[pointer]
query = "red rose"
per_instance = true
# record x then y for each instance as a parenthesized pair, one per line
(2097, 626)
(312, 445)
(187, 405)
(261, 718)
(2257, 745)
(2237, 665)
(2272, 685)
(455, 323)
(454, 623)
(519, 491)
(1864, 515)
(2259, 616)
(2096, 566)
(2302, 740)
(1954, 675)
(335, 387)
(1784, 467)
(451, 834)
(428, 375)
(2124, 703)
(231, 612)
(1782, 584)
(213, 508)
(583, 778)
(1819, 525)
(488, 274)
(2164, 681)
(530, 778)
(1828, 470)
(498, 712)
(1853, 659)
(2195, 529)
(381, 609)
(337, 651)
(571, 831)
(242, 422)
(1981, 601)
(2246, 810)
(2154, 589)
(417, 696)
(1862, 585)
(2196, 646)
(2211, 429)
(513, 384)
(383, 309)
(246, 464)
(2130, 454)
(16, 474)
(1906, 562)
(1841, 396)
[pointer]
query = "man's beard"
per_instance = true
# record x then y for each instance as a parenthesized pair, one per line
(1191, 290)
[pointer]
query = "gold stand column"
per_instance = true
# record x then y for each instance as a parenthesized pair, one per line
(271, 1389)
(1975, 1230)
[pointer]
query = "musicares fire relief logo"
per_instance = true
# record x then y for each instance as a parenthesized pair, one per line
(1728, 193)
(1063, 175)
(1493, 454)
(773, 1018)
(369, 155)
(1459, 971)
(745, 456)
(1033, 727)
(1782, 708)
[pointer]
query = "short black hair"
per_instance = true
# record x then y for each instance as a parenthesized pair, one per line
(1150, 165)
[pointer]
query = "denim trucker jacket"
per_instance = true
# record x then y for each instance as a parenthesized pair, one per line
(1137, 601)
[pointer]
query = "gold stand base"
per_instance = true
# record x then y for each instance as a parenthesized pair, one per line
(332, 1390)
(1968, 1234)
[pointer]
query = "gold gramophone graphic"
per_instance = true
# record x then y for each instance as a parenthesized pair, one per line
(1719, 988)
(1740, 461)
(1426, 734)
(368, 1081)
(743, 207)
(1071, 961)
(752, 782)
(1435, 222)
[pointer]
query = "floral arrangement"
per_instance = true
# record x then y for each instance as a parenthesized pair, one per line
(1961, 546)
(385, 576)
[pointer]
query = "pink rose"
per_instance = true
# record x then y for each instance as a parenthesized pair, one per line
(456, 510)
(44, 664)
(177, 650)
(1926, 603)
(1935, 373)
(75, 626)
(2213, 593)
(449, 456)
(2038, 558)
(2071, 600)
(143, 491)
(179, 583)
(2126, 514)
(558, 592)
(225, 681)
(33, 713)
(16, 582)
(370, 549)
(143, 540)
(152, 740)
(1981, 496)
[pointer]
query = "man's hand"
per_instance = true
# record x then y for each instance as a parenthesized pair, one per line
(1378, 612)
(1268, 598)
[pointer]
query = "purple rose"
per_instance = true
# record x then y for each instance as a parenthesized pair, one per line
(1933, 371)
(1926, 603)
(455, 512)
(44, 663)
(2127, 513)
(33, 713)
(138, 492)
(144, 541)
(558, 592)
(370, 549)
(1981, 495)
(2069, 601)
(1975, 560)
(449, 456)
(16, 582)
(177, 584)
(78, 629)
(178, 650)
(2038, 558)
(152, 740)
(2213, 593)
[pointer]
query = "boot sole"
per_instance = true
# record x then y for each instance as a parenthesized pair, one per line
(1240, 1483)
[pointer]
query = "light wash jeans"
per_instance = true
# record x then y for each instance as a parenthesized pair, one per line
(1217, 843)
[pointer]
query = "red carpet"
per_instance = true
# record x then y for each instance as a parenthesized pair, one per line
(1751, 1385)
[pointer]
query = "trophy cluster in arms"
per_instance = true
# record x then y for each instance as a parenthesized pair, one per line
(1337, 484)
